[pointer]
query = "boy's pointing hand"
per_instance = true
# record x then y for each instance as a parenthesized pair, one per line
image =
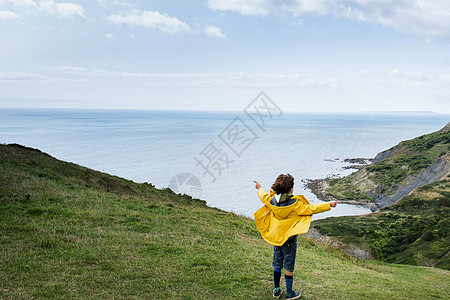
(257, 186)
(334, 203)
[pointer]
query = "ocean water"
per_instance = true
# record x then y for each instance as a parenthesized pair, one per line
(214, 155)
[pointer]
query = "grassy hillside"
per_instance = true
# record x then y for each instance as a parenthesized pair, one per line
(415, 230)
(68, 232)
(393, 168)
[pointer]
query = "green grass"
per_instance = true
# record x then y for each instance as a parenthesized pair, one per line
(343, 188)
(67, 232)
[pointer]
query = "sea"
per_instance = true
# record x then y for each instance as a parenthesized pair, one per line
(216, 156)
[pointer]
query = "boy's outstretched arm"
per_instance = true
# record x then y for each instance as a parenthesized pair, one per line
(310, 209)
(265, 197)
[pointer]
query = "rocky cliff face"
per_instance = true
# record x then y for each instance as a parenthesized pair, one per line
(437, 171)
(382, 155)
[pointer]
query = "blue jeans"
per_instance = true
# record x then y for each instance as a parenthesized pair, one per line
(284, 256)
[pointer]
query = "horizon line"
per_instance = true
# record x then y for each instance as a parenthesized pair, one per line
(232, 111)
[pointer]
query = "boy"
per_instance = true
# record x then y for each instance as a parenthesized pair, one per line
(279, 221)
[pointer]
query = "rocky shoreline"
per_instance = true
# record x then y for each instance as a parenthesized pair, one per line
(318, 186)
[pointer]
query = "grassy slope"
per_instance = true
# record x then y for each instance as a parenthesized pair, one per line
(405, 160)
(70, 232)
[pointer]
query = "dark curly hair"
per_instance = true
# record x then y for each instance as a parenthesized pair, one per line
(283, 184)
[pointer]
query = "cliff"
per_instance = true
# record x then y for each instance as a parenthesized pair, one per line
(436, 171)
(397, 171)
(409, 186)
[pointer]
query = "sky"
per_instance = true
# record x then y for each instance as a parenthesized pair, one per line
(307, 56)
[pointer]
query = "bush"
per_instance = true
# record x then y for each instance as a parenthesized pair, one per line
(429, 235)
(428, 141)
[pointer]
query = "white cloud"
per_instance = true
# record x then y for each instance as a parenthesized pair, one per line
(109, 36)
(151, 19)
(105, 3)
(214, 79)
(214, 31)
(61, 9)
(73, 80)
(417, 78)
(396, 79)
(20, 76)
(245, 7)
(69, 69)
(8, 15)
(19, 3)
(392, 89)
(101, 2)
(430, 19)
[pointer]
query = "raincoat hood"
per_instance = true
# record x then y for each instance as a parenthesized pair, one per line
(283, 197)
(284, 206)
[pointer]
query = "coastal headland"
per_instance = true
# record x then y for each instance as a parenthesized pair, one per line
(408, 189)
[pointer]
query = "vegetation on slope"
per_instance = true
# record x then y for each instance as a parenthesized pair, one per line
(415, 230)
(69, 232)
(397, 168)
(344, 188)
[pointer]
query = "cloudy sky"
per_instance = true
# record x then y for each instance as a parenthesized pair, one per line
(307, 55)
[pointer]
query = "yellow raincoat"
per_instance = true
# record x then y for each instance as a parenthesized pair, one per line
(277, 223)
